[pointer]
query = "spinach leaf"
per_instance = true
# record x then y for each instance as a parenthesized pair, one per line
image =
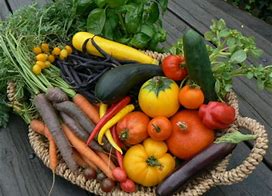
(96, 21)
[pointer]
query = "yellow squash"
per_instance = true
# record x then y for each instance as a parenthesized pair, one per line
(148, 163)
(115, 49)
(159, 97)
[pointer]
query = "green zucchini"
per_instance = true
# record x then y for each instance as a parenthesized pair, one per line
(117, 82)
(198, 64)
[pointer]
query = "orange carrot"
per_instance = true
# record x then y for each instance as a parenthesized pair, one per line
(89, 109)
(89, 163)
(41, 128)
(53, 156)
(79, 160)
(83, 149)
(106, 159)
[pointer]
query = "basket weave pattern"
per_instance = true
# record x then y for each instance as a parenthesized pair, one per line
(218, 175)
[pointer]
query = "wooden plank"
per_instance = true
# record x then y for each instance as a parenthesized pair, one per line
(4, 11)
(257, 183)
(198, 14)
(21, 175)
(254, 23)
(16, 4)
(259, 101)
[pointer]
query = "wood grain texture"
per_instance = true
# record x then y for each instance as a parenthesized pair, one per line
(253, 23)
(258, 183)
(4, 11)
(199, 14)
(21, 174)
(253, 102)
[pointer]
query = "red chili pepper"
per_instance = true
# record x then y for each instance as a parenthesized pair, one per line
(118, 154)
(217, 115)
(110, 113)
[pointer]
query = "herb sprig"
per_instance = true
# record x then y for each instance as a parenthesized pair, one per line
(229, 52)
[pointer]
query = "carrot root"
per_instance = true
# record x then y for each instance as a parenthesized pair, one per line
(89, 109)
(83, 149)
(106, 159)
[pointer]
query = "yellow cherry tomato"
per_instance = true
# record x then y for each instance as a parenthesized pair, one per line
(41, 64)
(63, 54)
(36, 69)
(159, 97)
(37, 50)
(69, 49)
(148, 163)
(51, 58)
(47, 64)
(56, 51)
(45, 47)
(41, 57)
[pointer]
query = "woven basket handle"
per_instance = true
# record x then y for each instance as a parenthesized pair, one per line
(254, 158)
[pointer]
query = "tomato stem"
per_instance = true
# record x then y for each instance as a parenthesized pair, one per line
(153, 162)
(182, 125)
(156, 127)
(124, 135)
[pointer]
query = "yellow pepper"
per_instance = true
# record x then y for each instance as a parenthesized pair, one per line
(114, 120)
(148, 163)
(102, 111)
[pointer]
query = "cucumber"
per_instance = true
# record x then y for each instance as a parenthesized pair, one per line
(198, 64)
(117, 82)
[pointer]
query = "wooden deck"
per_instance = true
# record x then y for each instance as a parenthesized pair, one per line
(23, 174)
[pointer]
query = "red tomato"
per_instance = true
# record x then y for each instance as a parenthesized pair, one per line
(173, 68)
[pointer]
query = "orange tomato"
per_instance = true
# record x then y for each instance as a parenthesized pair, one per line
(191, 97)
(132, 129)
(159, 128)
(189, 135)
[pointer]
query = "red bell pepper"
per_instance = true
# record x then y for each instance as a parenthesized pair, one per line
(217, 115)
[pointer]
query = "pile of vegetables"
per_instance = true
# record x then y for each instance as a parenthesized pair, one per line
(114, 113)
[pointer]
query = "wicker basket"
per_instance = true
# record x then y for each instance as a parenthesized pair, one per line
(218, 175)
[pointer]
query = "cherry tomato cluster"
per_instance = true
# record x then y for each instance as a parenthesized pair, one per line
(44, 57)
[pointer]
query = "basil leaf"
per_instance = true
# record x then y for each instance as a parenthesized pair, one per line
(83, 7)
(140, 40)
(96, 21)
(133, 18)
(111, 24)
(151, 12)
(100, 3)
(115, 3)
(148, 30)
(163, 4)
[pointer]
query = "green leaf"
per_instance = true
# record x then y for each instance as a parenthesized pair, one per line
(260, 84)
(115, 3)
(111, 24)
(250, 75)
(163, 4)
(209, 35)
(85, 6)
(224, 33)
(151, 12)
(238, 57)
(96, 21)
(148, 30)
(100, 3)
(256, 53)
(235, 138)
(217, 86)
(140, 40)
(133, 19)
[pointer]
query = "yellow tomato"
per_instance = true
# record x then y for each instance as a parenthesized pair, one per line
(148, 163)
(159, 97)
